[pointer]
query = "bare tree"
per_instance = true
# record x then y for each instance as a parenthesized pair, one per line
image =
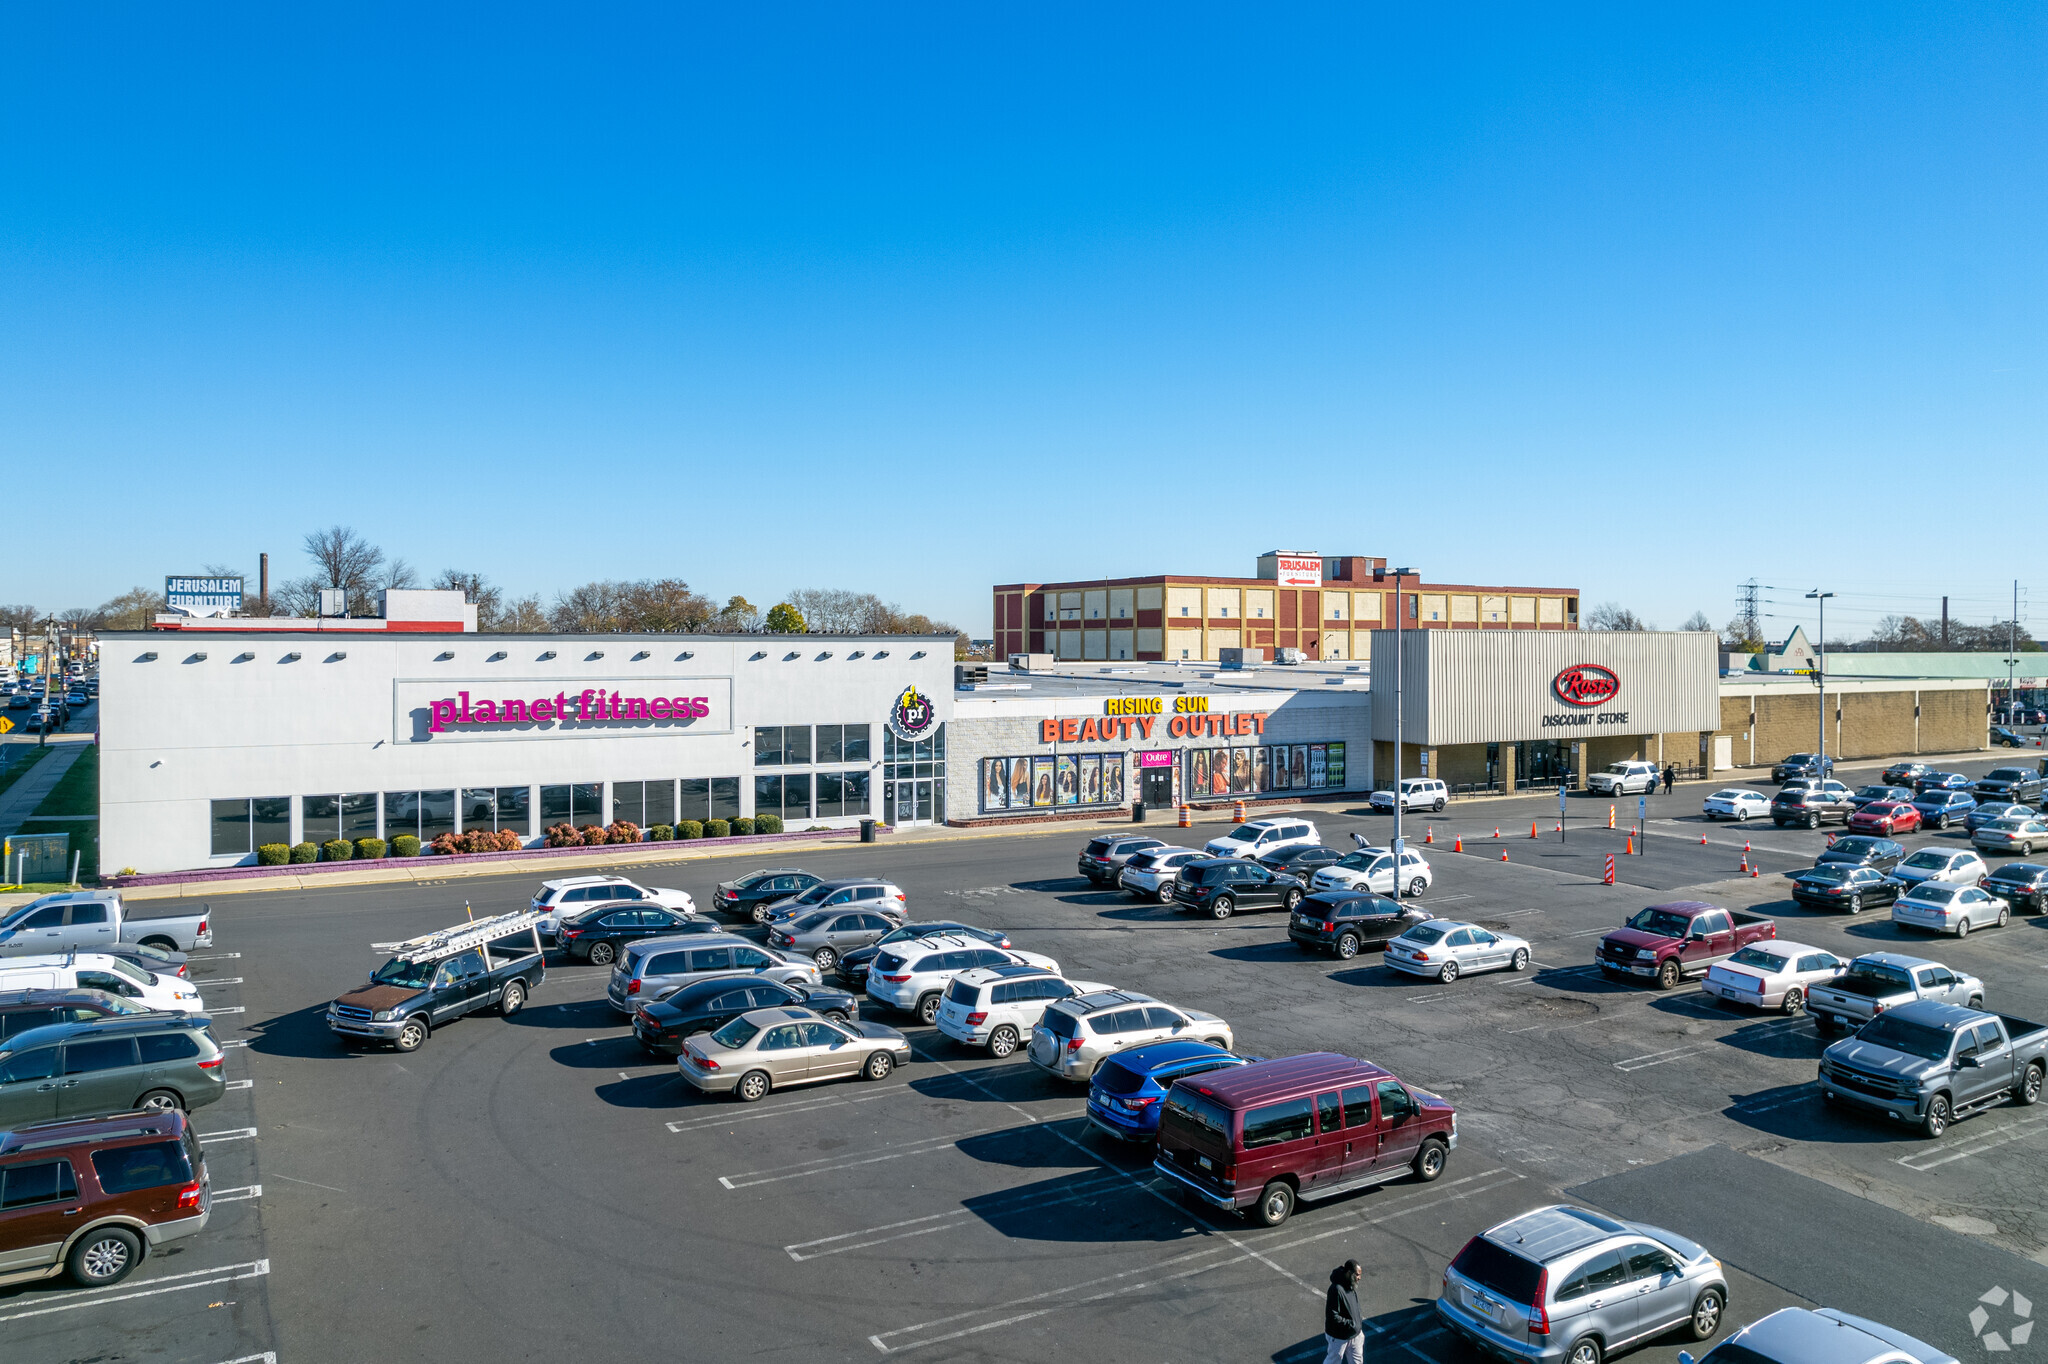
(664, 605)
(829, 610)
(21, 617)
(737, 617)
(524, 617)
(1698, 621)
(397, 575)
(1610, 615)
(478, 591)
(80, 618)
(1737, 636)
(135, 609)
(347, 561)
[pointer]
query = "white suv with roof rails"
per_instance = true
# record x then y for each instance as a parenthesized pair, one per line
(1259, 837)
(1417, 793)
(572, 895)
(998, 1006)
(1074, 1036)
(913, 976)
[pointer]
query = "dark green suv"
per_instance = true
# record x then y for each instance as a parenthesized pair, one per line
(108, 1065)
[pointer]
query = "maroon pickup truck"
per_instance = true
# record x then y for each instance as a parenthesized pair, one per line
(1670, 942)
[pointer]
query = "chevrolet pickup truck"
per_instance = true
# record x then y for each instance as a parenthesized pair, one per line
(92, 921)
(1877, 981)
(1931, 1064)
(435, 979)
(1667, 943)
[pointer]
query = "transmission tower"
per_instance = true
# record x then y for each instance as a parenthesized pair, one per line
(1745, 599)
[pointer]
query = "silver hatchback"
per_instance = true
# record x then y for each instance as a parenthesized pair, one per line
(1565, 1285)
(826, 935)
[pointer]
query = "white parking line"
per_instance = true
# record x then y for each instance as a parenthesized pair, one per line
(219, 980)
(209, 1009)
(218, 956)
(267, 1357)
(1516, 913)
(1923, 1161)
(875, 1155)
(228, 1134)
(240, 1084)
(946, 1221)
(720, 1119)
(1811, 1091)
(881, 1340)
(242, 1042)
(241, 1195)
(169, 1283)
(1669, 1054)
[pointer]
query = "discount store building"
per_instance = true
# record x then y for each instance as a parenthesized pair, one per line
(220, 736)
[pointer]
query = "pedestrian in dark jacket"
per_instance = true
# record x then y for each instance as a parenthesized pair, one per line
(1670, 778)
(1343, 1328)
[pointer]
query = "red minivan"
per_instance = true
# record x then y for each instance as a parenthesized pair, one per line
(1262, 1137)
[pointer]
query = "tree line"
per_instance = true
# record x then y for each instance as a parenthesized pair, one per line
(345, 560)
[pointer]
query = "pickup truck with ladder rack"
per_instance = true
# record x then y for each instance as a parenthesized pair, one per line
(436, 978)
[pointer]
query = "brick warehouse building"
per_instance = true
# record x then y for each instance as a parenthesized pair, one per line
(1325, 606)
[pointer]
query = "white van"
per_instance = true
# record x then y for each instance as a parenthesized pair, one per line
(99, 971)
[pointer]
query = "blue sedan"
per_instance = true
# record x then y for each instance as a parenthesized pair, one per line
(1124, 1095)
(1939, 809)
(1991, 811)
(1942, 781)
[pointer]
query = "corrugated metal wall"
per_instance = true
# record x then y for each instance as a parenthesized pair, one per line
(1494, 686)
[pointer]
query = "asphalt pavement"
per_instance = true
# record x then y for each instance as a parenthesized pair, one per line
(538, 1188)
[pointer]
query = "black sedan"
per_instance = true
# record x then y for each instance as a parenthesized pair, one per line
(2023, 885)
(2005, 738)
(853, 967)
(1220, 886)
(1345, 922)
(1803, 765)
(711, 1004)
(1858, 851)
(1864, 795)
(739, 896)
(1300, 861)
(1904, 774)
(599, 935)
(1838, 887)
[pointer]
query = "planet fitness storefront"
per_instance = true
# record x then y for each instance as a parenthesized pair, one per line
(214, 744)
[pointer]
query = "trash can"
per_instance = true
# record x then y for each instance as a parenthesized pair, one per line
(867, 831)
(1137, 812)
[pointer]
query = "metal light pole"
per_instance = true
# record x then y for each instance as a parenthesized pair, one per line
(2012, 649)
(1400, 806)
(1821, 677)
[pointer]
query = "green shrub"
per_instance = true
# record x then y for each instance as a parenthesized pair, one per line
(661, 833)
(690, 828)
(405, 845)
(716, 828)
(742, 827)
(337, 850)
(305, 852)
(369, 847)
(767, 824)
(273, 854)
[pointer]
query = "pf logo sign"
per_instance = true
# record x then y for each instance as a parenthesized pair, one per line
(1586, 684)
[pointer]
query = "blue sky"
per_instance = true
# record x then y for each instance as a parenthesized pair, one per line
(1645, 300)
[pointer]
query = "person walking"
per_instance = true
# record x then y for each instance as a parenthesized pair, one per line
(1670, 777)
(1343, 1328)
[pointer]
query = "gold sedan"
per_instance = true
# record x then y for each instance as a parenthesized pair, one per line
(769, 1047)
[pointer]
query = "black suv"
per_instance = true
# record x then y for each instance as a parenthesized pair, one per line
(598, 935)
(1811, 806)
(853, 967)
(21, 1010)
(2023, 885)
(1301, 861)
(1220, 886)
(1344, 922)
(2015, 784)
(707, 1005)
(1859, 851)
(1803, 765)
(739, 896)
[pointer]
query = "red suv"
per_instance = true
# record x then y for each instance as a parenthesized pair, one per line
(1262, 1137)
(94, 1195)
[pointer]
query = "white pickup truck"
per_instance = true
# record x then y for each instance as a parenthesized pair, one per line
(93, 920)
(1625, 779)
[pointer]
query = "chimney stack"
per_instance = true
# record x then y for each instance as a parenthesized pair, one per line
(263, 577)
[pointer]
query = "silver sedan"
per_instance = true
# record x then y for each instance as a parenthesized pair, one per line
(1447, 949)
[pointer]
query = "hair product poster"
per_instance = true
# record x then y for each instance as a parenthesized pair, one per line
(1240, 771)
(1219, 771)
(1066, 781)
(1262, 769)
(995, 787)
(1041, 781)
(1318, 769)
(1281, 781)
(1198, 771)
(1298, 766)
(1091, 779)
(1113, 778)
(1020, 783)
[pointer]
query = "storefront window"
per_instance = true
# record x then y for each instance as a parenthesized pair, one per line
(788, 745)
(359, 816)
(909, 771)
(767, 745)
(705, 798)
(498, 807)
(319, 818)
(627, 802)
(842, 744)
(796, 744)
(230, 820)
(580, 804)
(480, 807)
(842, 793)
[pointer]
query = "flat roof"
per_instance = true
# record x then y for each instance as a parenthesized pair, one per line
(1072, 678)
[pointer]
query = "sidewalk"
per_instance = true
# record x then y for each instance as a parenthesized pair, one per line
(24, 796)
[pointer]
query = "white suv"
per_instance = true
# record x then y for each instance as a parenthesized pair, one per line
(1417, 793)
(998, 1006)
(1150, 875)
(1373, 869)
(1075, 1034)
(913, 976)
(1262, 836)
(574, 894)
(1625, 779)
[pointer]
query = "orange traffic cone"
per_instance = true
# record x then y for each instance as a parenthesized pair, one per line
(1745, 845)
(1503, 854)
(1496, 831)
(1429, 835)
(1630, 850)
(1752, 869)
(1703, 840)
(1745, 862)
(1457, 845)
(1532, 828)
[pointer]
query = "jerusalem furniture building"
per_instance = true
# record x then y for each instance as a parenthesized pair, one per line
(1326, 606)
(223, 735)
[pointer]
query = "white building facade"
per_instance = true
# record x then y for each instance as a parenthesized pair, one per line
(214, 743)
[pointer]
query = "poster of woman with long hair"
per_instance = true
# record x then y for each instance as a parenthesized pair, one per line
(1066, 782)
(1219, 771)
(1091, 779)
(1262, 769)
(1020, 783)
(1198, 771)
(1113, 779)
(1240, 771)
(1041, 781)
(1298, 766)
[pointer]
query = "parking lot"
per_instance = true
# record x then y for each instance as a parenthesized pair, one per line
(537, 1188)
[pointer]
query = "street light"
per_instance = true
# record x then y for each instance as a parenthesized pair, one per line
(1380, 575)
(1821, 676)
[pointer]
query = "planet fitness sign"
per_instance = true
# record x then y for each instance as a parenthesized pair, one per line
(498, 708)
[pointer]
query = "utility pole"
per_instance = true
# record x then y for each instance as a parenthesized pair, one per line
(1820, 677)
(1400, 615)
(2012, 654)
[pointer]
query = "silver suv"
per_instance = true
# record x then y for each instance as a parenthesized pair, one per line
(826, 935)
(1150, 875)
(1075, 1035)
(1563, 1284)
(998, 1006)
(655, 968)
(913, 976)
(854, 892)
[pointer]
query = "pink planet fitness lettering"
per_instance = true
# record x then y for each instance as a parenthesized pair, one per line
(591, 705)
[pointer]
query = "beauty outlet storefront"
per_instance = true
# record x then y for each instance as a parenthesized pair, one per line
(1054, 756)
(212, 746)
